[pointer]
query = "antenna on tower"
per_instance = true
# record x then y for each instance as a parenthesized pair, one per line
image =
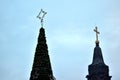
(41, 15)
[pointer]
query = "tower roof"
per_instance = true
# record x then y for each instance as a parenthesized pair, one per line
(97, 56)
(98, 70)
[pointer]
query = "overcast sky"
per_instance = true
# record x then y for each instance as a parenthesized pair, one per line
(70, 37)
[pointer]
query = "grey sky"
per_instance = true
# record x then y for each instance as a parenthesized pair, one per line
(69, 28)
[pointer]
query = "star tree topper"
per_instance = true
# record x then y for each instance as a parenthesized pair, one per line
(41, 15)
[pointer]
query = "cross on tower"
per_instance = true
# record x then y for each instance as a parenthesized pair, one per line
(95, 30)
(41, 15)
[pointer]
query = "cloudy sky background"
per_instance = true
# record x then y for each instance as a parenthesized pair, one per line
(69, 28)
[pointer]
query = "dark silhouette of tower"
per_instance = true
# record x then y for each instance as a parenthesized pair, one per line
(41, 69)
(98, 70)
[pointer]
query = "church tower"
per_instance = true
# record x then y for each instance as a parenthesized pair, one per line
(41, 69)
(98, 70)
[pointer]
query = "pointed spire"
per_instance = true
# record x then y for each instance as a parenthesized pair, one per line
(97, 56)
(98, 70)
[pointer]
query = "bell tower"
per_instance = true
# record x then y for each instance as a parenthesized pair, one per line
(98, 70)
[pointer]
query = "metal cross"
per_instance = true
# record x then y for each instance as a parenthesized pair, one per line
(96, 34)
(41, 15)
